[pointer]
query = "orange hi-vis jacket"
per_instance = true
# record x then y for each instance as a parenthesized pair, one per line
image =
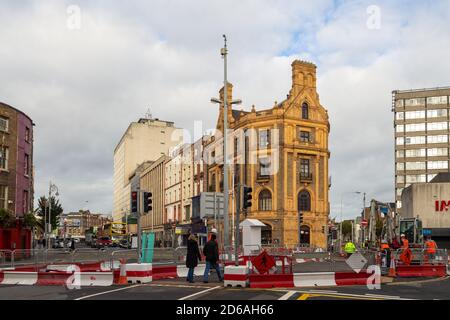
(405, 244)
(431, 246)
(384, 246)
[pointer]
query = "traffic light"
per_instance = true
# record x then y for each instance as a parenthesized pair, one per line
(247, 203)
(301, 217)
(134, 201)
(148, 201)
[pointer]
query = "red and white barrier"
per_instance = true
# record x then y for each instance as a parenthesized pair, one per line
(98, 279)
(139, 272)
(182, 271)
(307, 280)
(299, 261)
(236, 276)
(19, 277)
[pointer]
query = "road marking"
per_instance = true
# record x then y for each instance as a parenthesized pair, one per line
(315, 293)
(199, 293)
(287, 295)
(381, 296)
(176, 286)
(323, 291)
(106, 292)
(304, 296)
(417, 282)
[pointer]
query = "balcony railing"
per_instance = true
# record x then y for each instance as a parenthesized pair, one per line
(306, 176)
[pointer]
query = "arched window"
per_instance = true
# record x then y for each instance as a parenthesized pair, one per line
(265, 200)
(305, 111)
(304, 201)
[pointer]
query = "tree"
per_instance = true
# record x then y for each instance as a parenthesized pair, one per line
(56, 210)
(6, 219)
(347, 229)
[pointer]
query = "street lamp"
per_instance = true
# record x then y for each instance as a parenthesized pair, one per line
(52, 188)
(225, 102)
(341, 238)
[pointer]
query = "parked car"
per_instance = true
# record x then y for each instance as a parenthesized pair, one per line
(104, 242)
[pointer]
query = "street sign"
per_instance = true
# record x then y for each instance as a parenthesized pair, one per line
(211, 204)
(263, 262)
(364, 223)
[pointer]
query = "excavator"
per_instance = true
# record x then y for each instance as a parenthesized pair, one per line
(394, 225)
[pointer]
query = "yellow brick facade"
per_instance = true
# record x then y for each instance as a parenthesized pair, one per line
(281, 154)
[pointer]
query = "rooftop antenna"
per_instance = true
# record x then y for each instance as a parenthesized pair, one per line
(148, 114)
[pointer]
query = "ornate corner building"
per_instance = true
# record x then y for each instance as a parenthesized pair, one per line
(282, 154)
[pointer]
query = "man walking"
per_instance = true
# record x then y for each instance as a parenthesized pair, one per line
(211, 253)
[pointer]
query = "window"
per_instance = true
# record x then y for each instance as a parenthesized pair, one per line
(437, 100)
(264, 167)
(305, 169)
(415, 153)
(437, 152)
(437, 126)
(415, 127)
(4, 124)
(399, 204)
(400, 141)
(414, 140)
(416, 178)
(305, 111)
(27, 165)
(399, 103)
(436, 165)
(400, 166)
(400, 179)
(400, 128)
(415, 166)
(415, 115)
(415, 102)
(399, 192)
(437, 113)
(27, 134)
(264, 139)
(431, 177)
(25, 202)
(4, 156)
(304, 201)
(4, 197)
(437, 139)
(265, 200)
(400, 116)
(305, 136)
(400, 154)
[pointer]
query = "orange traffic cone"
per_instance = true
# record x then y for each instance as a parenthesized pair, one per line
(123, 274)
(392, 272)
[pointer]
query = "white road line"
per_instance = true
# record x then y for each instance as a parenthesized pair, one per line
(106, 292)
(382, 296)
(199, 293)
(288, 295)
(322, 291)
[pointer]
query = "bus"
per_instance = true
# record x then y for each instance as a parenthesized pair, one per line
(116, 231)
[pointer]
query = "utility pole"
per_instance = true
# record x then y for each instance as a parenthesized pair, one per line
(225, 149)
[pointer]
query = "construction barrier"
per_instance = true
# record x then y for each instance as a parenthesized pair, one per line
(421, 271)
(20, 278)
(100, 279)
(139, 272)
(54, 278)
(271, 280)
(182, 271)
(236, 276)
(164, 272)
(351, 278)
(319, 279)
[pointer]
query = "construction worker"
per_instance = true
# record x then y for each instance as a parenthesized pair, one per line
(430, 249)
(385, 253)
(404, 242)
(349, 248)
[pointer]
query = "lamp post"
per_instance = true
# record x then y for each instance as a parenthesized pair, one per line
(52, 188)
(224, 53)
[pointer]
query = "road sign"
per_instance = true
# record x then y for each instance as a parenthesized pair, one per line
(263, 262)
(364, 223)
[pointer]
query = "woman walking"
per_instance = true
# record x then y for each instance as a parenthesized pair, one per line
(192, 257)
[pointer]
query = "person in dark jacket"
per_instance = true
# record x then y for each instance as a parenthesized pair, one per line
(192, 257)
(211, 253)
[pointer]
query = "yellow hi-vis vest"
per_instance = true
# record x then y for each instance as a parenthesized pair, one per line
(350, 247)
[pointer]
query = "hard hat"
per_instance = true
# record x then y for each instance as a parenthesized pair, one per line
(213, 230)
(402, 235)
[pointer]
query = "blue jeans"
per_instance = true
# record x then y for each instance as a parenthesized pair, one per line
(208, 267)
(190, 275)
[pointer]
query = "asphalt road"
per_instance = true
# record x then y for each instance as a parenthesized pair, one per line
(178, 290)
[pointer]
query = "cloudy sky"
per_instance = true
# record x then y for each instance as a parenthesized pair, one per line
(83, 70)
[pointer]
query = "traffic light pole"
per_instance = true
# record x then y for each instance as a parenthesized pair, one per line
(236, 224)
(139, 246)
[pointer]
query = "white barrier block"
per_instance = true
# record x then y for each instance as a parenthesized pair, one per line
(106, 265)
(236, 276)
(318, 279)
(61, 267)
(139, 272)
(182, 271)
(19, 277)
(100, 279)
